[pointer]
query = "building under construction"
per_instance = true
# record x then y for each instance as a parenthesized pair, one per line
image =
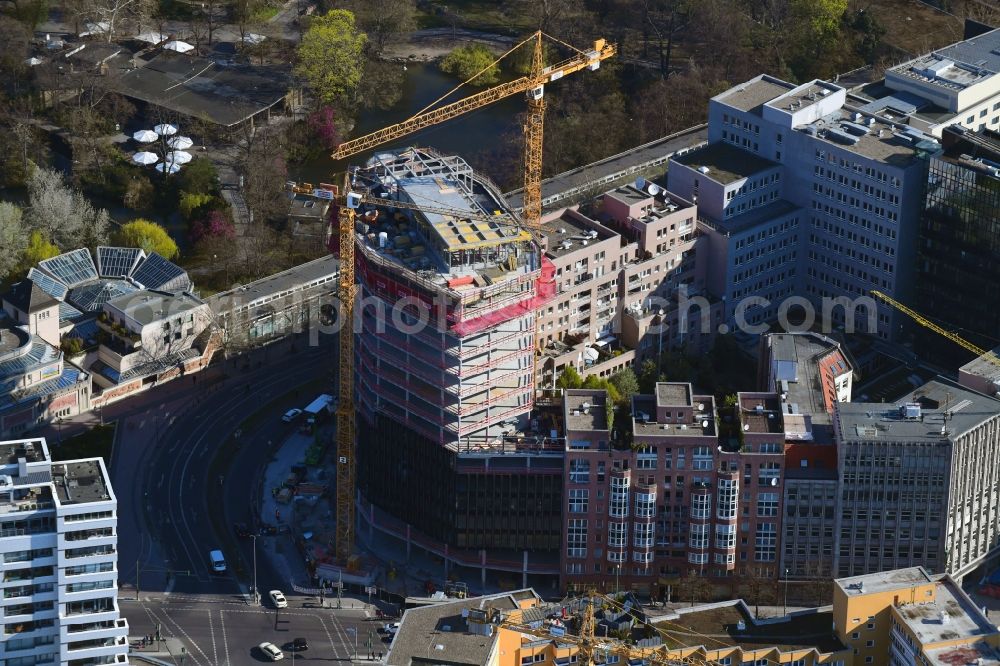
(445, 370)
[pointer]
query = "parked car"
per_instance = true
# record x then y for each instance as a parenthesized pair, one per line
(271, 651)
(242, 530)
(278, 599)
(298, 644)
(291, 415)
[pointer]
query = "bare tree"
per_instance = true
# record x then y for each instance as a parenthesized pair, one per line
(13, 238)
(63, 214)
(118, 14)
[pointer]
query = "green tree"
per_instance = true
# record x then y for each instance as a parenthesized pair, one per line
(626, 382)
(13, 238)
(648, 376)
(39, 248)
(199, 176)
(147, 235)
(601, 384)
(330, 57)
(469, 60)
(569, 379)
(382, 19)
(191, 202)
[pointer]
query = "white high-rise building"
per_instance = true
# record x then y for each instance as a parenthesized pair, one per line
(58, 549)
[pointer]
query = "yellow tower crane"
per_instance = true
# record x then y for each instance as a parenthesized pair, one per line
(927, 323)
(534, 86)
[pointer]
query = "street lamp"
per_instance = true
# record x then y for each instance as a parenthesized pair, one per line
(784, 608)
(659, 353)
(256, 594)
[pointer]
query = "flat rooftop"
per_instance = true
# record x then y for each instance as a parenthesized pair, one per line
(956, 67)
(148, 306)
(439, 634)
(970, 148)
(807, 96)
(717, 625)
(80, 481)
(568, 233)
(12, 338)
(884, 581)
(881, 139)
(753, 94)
(725, 163)
(762, 412)
(943, 404)
(317, 272)
(586, 411)
(200, 88)
(985, 366)
(672, 394)
(702, 423)
(30, 450)
(807, 392)
(950, 616)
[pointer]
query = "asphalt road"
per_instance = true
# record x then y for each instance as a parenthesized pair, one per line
(167, 489)
(226, 633)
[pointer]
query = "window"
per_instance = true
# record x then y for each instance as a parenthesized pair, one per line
(578, 500)
(576, 538)
(767, 504)
(869, 643)
(579, 471)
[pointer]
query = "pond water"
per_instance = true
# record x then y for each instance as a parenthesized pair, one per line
(424, 83)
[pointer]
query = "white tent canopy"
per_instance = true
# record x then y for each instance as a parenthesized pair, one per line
(145, 157)
(252, 38)
(180, 47)
(169, 168)
(165, 129)
(145, 136)
(177, 157)
(180, 142)
(151, 37)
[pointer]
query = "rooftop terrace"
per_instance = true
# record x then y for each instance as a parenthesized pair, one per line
(586, 410)
(673, 394)
(762, 412)
(725, 164)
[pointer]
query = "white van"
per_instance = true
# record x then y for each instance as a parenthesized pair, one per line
(217, 560)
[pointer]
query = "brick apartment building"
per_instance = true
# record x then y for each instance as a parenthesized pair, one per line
(615, 273)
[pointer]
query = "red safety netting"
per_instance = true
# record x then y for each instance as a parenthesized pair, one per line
(545, 291)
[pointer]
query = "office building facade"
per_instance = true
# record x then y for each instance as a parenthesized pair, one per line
(58, 546)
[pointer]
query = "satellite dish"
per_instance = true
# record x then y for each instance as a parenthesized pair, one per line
(774, 481)
(654, 189)
(746, 426)
(640, 183)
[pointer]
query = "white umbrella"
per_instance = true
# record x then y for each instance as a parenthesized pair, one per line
(178, 157)
(180, 47)
(253, 38)
(32, 61)
(169, 168)
(145, 157)
(180, 142)
(145, 136)
(165, 129)
(151, 37)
